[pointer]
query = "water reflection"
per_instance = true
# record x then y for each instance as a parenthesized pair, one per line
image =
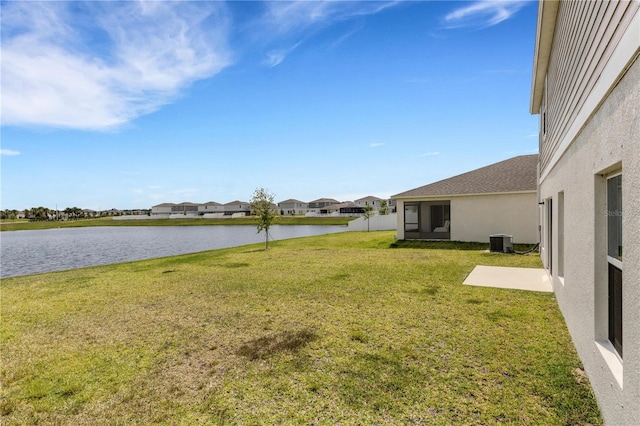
(30, 252)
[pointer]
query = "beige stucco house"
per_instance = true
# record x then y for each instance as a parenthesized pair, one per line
(292, 207)
(315, 205)
(211, 207)
(167, 209)
(496, 199)
(237, 208)
(586, 91)
(163, 209)
(370, 200)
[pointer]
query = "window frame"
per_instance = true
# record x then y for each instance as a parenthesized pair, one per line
(615, 295)
(415, 205)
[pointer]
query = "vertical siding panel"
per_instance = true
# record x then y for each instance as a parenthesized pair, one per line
(582, 40)
(586, 35)
(600, 54)
(566, 15)
(557, 68)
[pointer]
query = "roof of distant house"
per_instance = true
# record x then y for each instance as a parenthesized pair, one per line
(517, 174)
(368, 198)
(338, 206)
(292, 201)
(324, 200)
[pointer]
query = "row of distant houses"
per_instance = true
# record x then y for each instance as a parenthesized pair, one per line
(290, 207)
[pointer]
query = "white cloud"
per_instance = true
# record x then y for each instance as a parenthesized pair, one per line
(105, 63)
(298, 19)
(9, 152)
(483, 14)
(430, 154)
(286, 17)
(376, 144)
(275, 57)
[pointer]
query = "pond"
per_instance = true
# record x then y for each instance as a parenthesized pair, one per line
(31, 252)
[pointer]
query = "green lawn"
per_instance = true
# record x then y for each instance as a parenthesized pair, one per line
(340, 329)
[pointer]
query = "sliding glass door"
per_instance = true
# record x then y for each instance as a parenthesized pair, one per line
(427, 220)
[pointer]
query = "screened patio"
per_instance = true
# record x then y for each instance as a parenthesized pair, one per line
(427, 220)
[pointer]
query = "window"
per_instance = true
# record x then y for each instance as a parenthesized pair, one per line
(614, 260)
(561, 234)
(549, 247)
(411, 217)
(440, 214)
(427, 220)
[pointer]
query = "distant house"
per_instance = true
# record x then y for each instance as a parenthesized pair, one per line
(316, 205)
(348, 208)
(237, 207)
(167, 209)
(163, 209)
(586, 91)
(292, 207)
(210, 207)
(211, 210)
(185, 209)
(373, 202)
(496, 199)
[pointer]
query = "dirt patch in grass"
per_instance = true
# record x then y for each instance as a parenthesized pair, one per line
(265, 346)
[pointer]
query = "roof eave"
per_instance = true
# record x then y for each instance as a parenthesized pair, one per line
(547, 14)
(435, 196)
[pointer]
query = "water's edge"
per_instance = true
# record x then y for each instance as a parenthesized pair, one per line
(58, 249)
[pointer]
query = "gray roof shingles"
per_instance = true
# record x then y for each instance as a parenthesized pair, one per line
(516, 174)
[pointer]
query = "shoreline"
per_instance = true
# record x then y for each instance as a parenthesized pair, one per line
(249, 220)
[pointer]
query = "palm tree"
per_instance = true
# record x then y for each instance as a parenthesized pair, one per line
(41, 213)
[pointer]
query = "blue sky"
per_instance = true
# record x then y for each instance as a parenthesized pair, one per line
(131, 104)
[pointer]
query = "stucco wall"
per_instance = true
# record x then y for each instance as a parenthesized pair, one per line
(474, 218)
(609, 142)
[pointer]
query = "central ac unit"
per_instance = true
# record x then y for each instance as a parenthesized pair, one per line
(501, 243)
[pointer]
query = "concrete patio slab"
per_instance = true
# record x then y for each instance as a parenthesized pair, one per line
(532, 279)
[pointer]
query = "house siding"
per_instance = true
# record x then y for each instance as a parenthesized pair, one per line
(593, 101)
(579, 55)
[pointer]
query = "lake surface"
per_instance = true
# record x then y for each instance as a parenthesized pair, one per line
(47, 250)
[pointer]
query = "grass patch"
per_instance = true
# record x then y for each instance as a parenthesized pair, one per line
(335, 329)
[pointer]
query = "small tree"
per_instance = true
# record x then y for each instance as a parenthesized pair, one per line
(263, 207)
(368, 212)
(384, 207)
